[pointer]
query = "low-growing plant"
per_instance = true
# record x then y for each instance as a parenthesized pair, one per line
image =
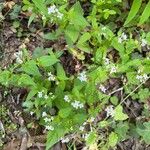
(89, 104)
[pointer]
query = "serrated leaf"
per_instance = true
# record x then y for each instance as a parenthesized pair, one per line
(134, 10)
(47, 61)
(119, 115)
(146, 14)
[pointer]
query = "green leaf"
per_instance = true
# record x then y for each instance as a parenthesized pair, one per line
(119, 115)
(61, 75)
(26, 80)
(72, 33)
(47, 61)
(146, 14)
(65, 112)
(121, 129)
(41, 6)
(54, 136)
(134, 10)
(91, 138)
(84, 38)
(113, 139)
(31, 19)
(145, 132)
(50, 36)
(31, 68)
(32, 93)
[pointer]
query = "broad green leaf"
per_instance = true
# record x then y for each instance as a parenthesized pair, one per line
(65, 112)
(54, 136)
(72, 33)
(145, 132)
(26, 80)
(32, 93)
(121, 129)
(134, 10)
(91, 139)
(47, 61)
(84, 38)
(146, 13)
(113, 139)
(61, 75)
(31, 68)
(4, 77)
(119, 115)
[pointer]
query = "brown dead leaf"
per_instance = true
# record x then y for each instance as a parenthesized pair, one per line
(9, 4)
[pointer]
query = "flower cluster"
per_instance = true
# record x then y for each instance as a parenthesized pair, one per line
(110, 111)
(143, 42)
(102, 88)
(51, 77)
(142, 77)
(54, 10)
(110, 66)
(77, 104)
(66, 98)
(122, 38)
(42, 95)
(19, 57)
(82, 76)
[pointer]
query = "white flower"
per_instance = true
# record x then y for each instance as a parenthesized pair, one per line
(82, 76)
(40, 94)
(92, 119)
(110, 111)
(59, 15)
(142, 78)
(66, 98)
(120, 40)
(46, 97)
(81, 128)
(44, 114)
(52, 9)
(124, 36)
(49, 127)
(47, 119)
(106, 61)
(51, 77)
(113, 69)
(77, 104)
(144, 43)
(31, 113)
(86, 136)
(65, 140)
(102, 88)
(19, 57)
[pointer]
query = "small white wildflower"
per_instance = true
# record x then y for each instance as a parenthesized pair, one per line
(77, 104)
(82, 76)
(102, 88)
(92, 119)
(110, 111)
(51, 77)
(120, 40)
(113, 69)
(47, 119)
(144, 43)
(40, 94)
(106, 61)
(31, 113)
(86, 136)
(81, 128)
(142, 78)
(46, 97)
(19, 57)
(65, 140)
(59, 15)
(124, 36)
(52, 9)
(44, 114)
(66, 98)
(49, 127)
